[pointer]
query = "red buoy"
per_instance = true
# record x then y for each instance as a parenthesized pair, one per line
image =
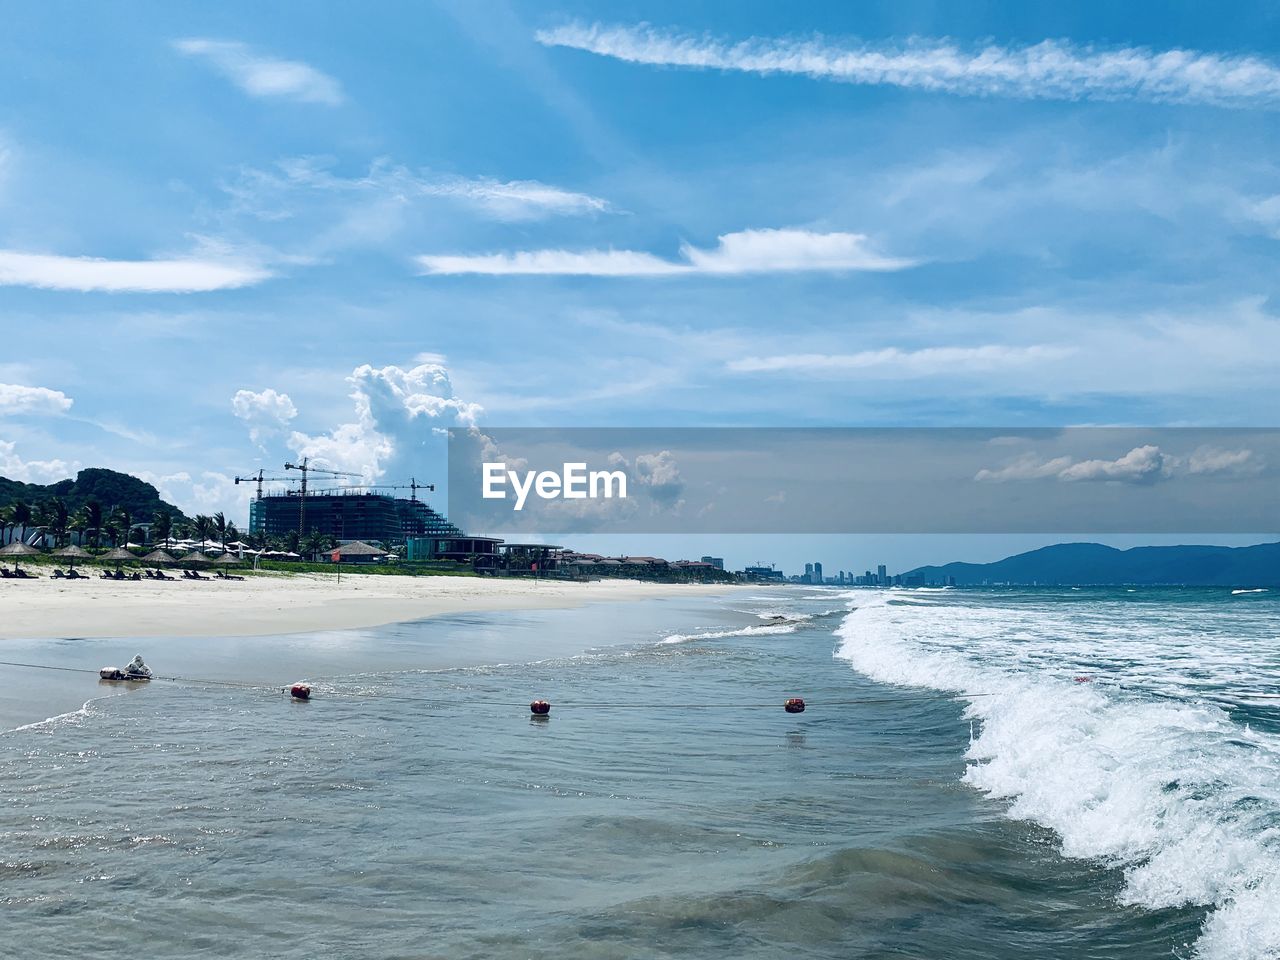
(539, 708)
(1084, 679)
(794, 705)
(300, 691)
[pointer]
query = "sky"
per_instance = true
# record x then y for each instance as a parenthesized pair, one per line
(236, 234)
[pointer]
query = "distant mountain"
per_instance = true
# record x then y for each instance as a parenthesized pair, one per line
(1093, 563)
(109, 488)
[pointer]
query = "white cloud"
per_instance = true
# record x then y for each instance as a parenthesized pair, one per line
(261, 192)
(397, 414)
(1049, 70)
(929, 361)
(14, 467)
(513, 199)
(1145, 464)
(748, 251)
(266, 412)
(1027, 467)
(210, 493)
(86, 274)
(16, 398)
(1208, 460)
(263, 76)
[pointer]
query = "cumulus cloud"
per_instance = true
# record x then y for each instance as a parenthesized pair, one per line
(1145, 464)
(744, 252)
(1142, 465)
(13, 467)
(266, 412)
(930, 361)
(398, 414)
(263, 76)
(1049, 70)
(92, 274)
(656, 475)
(15, 398)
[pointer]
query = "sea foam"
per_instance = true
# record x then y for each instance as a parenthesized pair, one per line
(1170, 791)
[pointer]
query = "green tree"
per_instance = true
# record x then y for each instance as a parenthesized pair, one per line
(220, 525)
(120, 524)
(89, 519)
(19, 517)
(161, 526)
(203, 528)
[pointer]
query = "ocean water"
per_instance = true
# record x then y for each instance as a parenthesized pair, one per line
(980, 774)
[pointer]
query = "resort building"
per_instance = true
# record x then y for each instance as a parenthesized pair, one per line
(354, 514)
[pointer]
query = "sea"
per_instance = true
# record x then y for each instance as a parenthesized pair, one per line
(979, 773)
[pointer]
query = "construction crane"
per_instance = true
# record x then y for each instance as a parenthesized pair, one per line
(413, 485)
(260, 478)
(305, 468)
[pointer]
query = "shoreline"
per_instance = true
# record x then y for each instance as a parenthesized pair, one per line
(271, 605)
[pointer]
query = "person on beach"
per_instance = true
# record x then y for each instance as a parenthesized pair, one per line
(137, 668)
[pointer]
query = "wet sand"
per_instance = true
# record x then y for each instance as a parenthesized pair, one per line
(263, 605)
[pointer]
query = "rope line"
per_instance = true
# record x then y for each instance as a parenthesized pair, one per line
(445, 701)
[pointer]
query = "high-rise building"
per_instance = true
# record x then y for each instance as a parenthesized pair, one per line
(348, 515)
(808, 573)
(882, 575)
(817, 573)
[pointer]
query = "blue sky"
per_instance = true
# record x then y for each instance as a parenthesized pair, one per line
(328, 229)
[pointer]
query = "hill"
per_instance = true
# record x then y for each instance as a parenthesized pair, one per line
(109, 488)
(1095, 563)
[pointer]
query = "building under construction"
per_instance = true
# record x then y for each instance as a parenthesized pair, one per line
(354, 513)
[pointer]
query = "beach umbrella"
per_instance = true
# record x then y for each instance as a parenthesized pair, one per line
(157, 557)
(73, 553)
(196, 557)
(18, 549)
(119, 555)
(227, 560)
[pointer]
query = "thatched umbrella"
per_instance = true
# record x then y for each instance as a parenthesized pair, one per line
(227, 560)
(195, 557)
(119, 555)
(73, 553)
(18, 549)
(157, 557)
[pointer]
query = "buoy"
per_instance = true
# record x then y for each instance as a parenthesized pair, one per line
(539, 708)
(1084, 679)
(794, 705)
(300, 691)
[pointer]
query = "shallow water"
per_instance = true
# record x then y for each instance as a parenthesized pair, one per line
(197, 821)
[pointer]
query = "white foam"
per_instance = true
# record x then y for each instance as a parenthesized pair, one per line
(48, 723)
(742, 632)
(1235, 593)
(1171, 791)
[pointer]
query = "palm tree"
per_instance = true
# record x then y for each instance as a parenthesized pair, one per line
(58, 517)
(220, 525)
(313, 544)
(89, 518)
(121, 523)
(161, 526)
(203, 528)
(291, 541)
(6, 522)
(20, 516)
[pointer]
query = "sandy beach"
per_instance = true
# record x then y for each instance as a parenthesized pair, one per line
(278, 604)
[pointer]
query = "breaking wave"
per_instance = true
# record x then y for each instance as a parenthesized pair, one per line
(1170, 790)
